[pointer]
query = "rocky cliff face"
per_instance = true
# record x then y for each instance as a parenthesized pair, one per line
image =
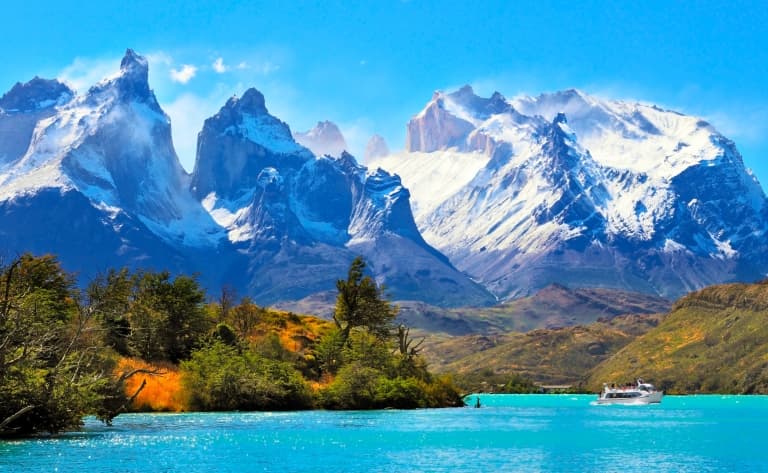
(95, 179)
(97, 182)
(21, 109)
(452, 121)
(570, 189)
(301, 218)
(560, 188)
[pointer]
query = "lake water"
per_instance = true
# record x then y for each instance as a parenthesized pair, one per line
(562, 433)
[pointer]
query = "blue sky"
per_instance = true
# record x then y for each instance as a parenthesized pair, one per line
(369, 66)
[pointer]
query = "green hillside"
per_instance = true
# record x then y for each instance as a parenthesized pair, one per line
(713, 341)
(547, 356)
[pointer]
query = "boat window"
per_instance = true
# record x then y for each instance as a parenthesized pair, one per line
(623, 395)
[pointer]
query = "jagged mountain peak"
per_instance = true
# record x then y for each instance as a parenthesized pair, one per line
(376, 148)
(134, 63)
(247, 117)
(572, 93)
(477, 107)
(37, 94)
(252, 102)
(461, 120)
(464, 93)
(130, 84)
(133, 82)
(324, 139)
(237, 143)
(325, 126)
(559, 118)
(621, 193)
(277, 221)
(113, 146)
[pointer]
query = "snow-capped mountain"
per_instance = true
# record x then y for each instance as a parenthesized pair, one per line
(299, 219)
(94, 179)
(324, 138)
(98, 181)
(560, 188)
(568, 188)
(376, 148)
(20, 110)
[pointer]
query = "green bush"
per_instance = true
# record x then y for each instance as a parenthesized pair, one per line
(401, 393)
(354, 388)
(362, 387)
(221, 377)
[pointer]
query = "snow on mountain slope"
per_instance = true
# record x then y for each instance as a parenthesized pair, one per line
(432, 177)
(560, 188)
(581, 191)
(95, 180)
(630, 136)
(21, 109)
(114, 146)
(289, 212)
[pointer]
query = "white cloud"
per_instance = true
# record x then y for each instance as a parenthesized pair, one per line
(159, 58)
(356, 134)
(183, 75)
(219, 67)
(747, 124)
(264, 68)
(268, 68)
(187, 113)
(85, 72)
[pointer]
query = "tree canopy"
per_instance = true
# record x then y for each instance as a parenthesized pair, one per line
(361, 303)
(67, 352)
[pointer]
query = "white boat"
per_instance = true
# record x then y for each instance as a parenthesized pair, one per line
(640, 393)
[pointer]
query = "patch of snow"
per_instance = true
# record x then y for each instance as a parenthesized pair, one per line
(432, 178)
(671, 246)
(458, 111)
(229, 215)
(45, 104)
(268, 132)
(633, 136)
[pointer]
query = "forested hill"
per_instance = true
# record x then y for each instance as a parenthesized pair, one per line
(713, 341)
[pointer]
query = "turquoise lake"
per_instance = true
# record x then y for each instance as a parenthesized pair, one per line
(509, 433)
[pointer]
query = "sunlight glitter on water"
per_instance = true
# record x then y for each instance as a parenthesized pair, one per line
(510, 433)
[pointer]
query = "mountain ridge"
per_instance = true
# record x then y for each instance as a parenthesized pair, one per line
(493, 194)
(571, 189)
(260, 212)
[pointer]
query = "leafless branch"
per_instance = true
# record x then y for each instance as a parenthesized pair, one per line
(15, 416)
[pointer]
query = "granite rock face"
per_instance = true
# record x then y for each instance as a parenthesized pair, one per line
(98, 182)
(21, 109)
(298, 218)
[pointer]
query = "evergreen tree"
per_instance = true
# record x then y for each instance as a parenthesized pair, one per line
(361, 303)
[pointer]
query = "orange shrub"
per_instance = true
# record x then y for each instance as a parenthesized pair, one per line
(162, 391)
